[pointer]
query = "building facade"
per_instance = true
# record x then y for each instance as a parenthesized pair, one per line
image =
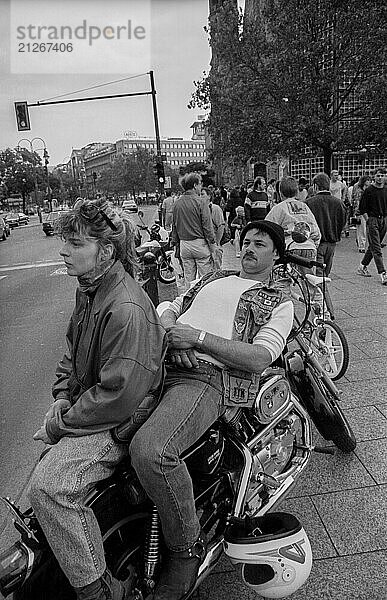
(308, 161)
(178, 151)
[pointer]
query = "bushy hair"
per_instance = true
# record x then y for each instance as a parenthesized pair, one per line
(289, 187)
(322, 181)
(189, 180)
(72, 222)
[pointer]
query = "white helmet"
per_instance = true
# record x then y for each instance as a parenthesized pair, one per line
(272, 553)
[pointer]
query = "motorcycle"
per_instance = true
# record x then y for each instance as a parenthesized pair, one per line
(158, 246)
(241, 468)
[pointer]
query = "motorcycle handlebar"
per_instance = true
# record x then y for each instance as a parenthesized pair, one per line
(301, 261)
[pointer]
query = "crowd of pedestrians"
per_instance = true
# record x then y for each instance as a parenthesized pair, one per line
(315, 217)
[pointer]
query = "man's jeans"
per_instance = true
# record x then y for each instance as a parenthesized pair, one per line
(196, 258)
(191, 402)
(59, 485)
(361, 233)
(325, 254)
(376, 230)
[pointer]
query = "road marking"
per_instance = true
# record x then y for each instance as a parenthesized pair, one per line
(3, 277)
(36, 265)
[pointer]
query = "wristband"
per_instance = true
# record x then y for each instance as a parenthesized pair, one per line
(201, 337)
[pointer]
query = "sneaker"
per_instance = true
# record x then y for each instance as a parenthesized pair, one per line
(362, 270)
(383, 277)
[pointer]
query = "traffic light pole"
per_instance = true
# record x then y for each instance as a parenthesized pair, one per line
(157, 130)
(23, 121)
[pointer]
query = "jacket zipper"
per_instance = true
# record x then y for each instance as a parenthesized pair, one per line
(79, 333)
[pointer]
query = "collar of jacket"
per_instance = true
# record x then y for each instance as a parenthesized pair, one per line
(111, 280)
(190, 193)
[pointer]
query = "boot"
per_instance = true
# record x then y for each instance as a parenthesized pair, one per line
(179, 575)
(106, 587)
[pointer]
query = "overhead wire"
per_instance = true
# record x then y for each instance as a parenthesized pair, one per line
(93, 87)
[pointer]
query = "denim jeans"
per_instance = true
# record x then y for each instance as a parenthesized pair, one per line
(325, 254)
(361, 233)
(191, 402)
(59, 485)
(376, 230)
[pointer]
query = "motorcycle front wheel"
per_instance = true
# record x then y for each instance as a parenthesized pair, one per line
(166, 271)
(330, 347)
(322, 407)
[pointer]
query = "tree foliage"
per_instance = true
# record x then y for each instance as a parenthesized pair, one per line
(206, 172)
(21, 172)
(286, 79)
(133, 173)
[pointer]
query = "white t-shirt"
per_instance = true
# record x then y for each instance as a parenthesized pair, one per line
(336, 188)
(214, 308)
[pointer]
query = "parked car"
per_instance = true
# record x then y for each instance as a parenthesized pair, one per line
(49, 222)
(23, 219)
(129, 206)
(12, 219)
(3, 229)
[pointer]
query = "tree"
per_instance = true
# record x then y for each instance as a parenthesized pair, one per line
(18, 172)
(286, 80)
(206, 172)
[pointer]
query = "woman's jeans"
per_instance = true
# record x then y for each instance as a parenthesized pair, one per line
(59, 485)
(191, 403)
(196, 258)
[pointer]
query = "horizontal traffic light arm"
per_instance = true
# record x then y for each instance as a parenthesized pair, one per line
(90, 98)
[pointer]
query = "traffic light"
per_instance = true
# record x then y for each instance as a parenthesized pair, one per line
(46, 157)
(159, 171)
(22, 116)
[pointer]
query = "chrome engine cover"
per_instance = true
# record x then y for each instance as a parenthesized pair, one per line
(274, 457)
(272, 398)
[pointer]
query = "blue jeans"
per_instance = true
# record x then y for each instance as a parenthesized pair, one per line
(191, 403)
(58, 489)
(376, 230)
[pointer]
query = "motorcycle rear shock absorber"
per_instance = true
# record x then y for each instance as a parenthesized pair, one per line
(152, 548)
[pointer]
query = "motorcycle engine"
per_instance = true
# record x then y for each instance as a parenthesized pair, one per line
(271, 430)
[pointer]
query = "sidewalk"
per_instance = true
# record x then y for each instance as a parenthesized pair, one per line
(342, 500)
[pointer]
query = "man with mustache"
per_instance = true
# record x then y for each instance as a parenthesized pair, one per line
(222, 333)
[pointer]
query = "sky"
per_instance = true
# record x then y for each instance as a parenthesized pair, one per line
(166, 36)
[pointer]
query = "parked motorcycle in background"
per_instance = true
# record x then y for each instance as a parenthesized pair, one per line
(241, 468)
(158, 245)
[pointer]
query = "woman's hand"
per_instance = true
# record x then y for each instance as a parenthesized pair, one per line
(184, 359)
(58, 406)
(41, 435)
